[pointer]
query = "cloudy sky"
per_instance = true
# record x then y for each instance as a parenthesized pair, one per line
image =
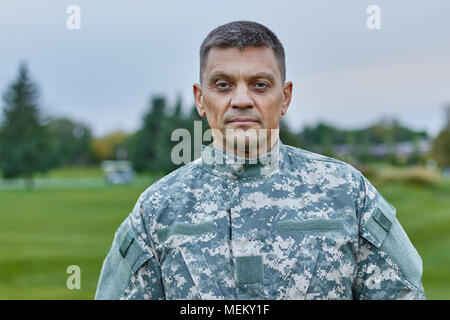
(343, 73)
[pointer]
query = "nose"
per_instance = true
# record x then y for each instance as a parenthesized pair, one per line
(241, 98)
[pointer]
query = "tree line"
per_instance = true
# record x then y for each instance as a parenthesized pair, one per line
(31, 142)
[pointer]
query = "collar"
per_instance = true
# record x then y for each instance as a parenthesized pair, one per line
(227, 165)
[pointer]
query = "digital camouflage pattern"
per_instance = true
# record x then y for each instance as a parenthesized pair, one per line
(294, 225)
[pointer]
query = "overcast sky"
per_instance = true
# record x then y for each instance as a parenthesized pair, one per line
(343, 73)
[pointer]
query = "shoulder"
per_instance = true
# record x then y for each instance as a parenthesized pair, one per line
(173, 183)
(305, 155)
(316, 164)
(325, 174)
(170, 191)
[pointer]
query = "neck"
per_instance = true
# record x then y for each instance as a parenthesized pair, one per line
(250, 150)
(225, 164)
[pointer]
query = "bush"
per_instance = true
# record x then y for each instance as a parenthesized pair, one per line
(417, 175)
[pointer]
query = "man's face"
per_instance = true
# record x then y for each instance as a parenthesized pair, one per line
(242, 90)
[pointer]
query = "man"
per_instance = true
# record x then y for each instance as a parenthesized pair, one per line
(260, 221)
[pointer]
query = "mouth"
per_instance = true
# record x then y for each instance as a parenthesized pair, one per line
(243, 121)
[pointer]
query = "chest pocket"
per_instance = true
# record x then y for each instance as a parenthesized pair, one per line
(384, 231)
(187, 272)
(304, 239)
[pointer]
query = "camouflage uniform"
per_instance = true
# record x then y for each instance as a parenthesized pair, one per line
(294, 225)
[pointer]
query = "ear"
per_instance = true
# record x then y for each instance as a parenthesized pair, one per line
(198, 96)
(287, 96)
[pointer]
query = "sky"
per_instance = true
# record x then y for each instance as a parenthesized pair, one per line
(343, 73)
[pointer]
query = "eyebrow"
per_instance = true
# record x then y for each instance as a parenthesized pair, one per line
(221, 74)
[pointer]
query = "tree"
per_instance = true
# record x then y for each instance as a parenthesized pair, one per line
(69, 142)
(23, 136)
(150, 147)
(441, 148)
(112, 146)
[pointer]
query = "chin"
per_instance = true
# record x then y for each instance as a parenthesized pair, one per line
(245, 144)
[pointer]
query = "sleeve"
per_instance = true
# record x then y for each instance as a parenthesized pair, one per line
(388, 265)
(131, 270)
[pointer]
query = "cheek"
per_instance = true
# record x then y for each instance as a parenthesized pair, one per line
(271, 111)
(273, 122)
(215, 108)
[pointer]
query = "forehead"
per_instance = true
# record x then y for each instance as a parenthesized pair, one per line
(248, 61)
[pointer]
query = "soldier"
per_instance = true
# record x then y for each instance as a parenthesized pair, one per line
(266, 221)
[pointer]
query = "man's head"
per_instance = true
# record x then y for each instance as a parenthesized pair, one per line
(241, 35)
(242, 82)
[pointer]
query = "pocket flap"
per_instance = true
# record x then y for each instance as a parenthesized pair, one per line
(379, 223)
(182, 228)
(132, 252)
(318, 224)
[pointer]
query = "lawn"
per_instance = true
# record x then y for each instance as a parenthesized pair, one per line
(44, 231)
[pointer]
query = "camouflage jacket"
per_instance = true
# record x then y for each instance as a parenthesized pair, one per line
(293, 225)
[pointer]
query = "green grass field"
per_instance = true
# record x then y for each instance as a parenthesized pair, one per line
(45, 230)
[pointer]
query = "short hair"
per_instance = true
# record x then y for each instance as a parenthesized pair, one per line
(241, 35)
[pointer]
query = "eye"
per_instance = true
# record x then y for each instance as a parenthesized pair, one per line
(261, 85)
(222, 85)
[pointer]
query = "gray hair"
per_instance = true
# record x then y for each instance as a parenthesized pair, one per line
(242, 34)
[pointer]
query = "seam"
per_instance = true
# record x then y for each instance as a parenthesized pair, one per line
(326, 159)
(150, 239)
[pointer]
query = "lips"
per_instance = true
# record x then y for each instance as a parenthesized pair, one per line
(242, 120)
